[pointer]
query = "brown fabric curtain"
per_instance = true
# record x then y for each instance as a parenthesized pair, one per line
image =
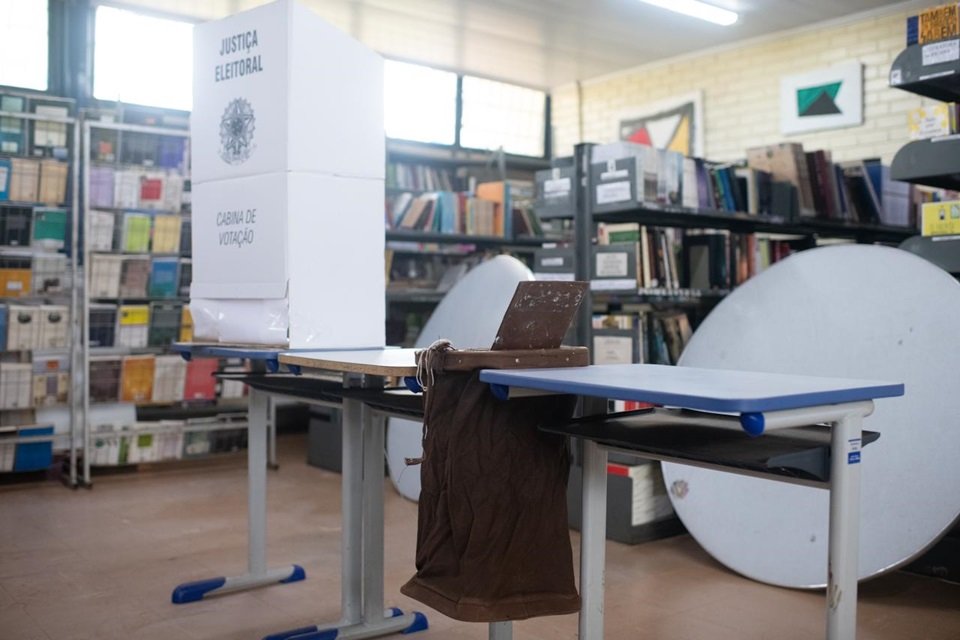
(493, 542)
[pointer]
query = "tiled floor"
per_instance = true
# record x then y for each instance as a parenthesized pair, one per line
(100, 564)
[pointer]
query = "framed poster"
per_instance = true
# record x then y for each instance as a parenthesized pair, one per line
(830, 98)
(675, 124)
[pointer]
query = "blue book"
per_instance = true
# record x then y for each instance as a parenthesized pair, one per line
(5, 170)
(3, 327)
(164, 278)
(448, 222)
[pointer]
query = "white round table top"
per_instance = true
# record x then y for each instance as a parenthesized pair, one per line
(857, 311)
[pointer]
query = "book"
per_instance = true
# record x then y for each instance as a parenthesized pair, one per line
(51, 380)
(16, 223)
(186, 277)
(52, 185)
(102, 324)
(54, 326)
(164, 278)
(23, 327)
(50, 134)
(105, 271)
(133, 326)
(200, 383)
(151, 190)
(786, 162)
(49, 229)
(101, 230)
(136, 378)
(50, 273)
(136, 233)
(12, 130)
(170, 373)
(16, 385)
(164, 324)
(6, 168)
(938, 23)
(16, 276)
(166, 234)
(104, 378)
(134, 276)
(3, 327)
(24, 180)
(101, 186)
(186, 325)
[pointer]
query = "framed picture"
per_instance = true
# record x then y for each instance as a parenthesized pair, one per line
(675, 124)
(830, 98)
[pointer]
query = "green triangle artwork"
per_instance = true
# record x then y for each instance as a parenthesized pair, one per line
(819, 100)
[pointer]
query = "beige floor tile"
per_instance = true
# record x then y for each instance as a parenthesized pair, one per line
(101, 564)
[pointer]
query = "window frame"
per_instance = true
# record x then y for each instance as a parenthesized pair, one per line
(458, 123)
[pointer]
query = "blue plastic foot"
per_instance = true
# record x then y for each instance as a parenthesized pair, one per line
(292, 633)
(752, 423)
(419, 624)
(297, 575)
(395, 612)
(412, 385)
(194, 591)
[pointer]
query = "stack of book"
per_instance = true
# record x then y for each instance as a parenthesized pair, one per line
(934, 24)
(31, 327)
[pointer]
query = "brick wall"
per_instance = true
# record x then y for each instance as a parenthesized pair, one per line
(741, 91)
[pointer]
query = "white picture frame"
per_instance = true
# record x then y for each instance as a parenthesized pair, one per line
(828, 98)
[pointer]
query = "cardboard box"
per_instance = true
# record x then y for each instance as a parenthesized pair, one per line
(278, 89)
(287, 182)
(304, 267)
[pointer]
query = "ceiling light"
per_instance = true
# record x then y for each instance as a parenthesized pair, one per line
(697, 9)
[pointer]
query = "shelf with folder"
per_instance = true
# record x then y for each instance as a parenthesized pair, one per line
(415, 296)
(421, 237)
(934, 162)
(681, 217)
(931, 70)
(657, 293)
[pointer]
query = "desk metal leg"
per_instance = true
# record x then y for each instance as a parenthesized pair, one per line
(501, 631)
(362, 612)
(844, 550)
(272, 433)
(593, 534)
(257, 574)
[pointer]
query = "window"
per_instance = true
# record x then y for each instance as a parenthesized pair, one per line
(23, 43)
(142, 59)
(420, 103)
(497, 114)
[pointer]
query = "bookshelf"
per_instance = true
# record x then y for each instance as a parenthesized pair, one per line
(39, 273)
(932, 71)
(142, 403)
(630, 321)
(465, 203)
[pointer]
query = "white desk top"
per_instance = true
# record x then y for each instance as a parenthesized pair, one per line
(377, 362)
(690, 388)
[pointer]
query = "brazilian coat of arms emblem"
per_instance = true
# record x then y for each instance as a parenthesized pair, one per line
(237, 126)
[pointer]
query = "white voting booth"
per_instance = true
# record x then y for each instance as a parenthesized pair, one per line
(288, 170)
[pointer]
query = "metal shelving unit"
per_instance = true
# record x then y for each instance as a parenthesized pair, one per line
(70, 248)
(931, 70)
(119, 129)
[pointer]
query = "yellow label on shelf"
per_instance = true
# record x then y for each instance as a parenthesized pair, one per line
(134, 314)
(941, 218)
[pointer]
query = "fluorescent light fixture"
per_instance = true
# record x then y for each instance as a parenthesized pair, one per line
(697, 9)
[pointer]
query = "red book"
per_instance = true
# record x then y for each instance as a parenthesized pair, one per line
(200, 383)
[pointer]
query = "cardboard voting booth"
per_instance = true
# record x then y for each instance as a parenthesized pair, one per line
(288, 170)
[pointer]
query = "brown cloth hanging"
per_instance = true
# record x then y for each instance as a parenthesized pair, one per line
(493, 542)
